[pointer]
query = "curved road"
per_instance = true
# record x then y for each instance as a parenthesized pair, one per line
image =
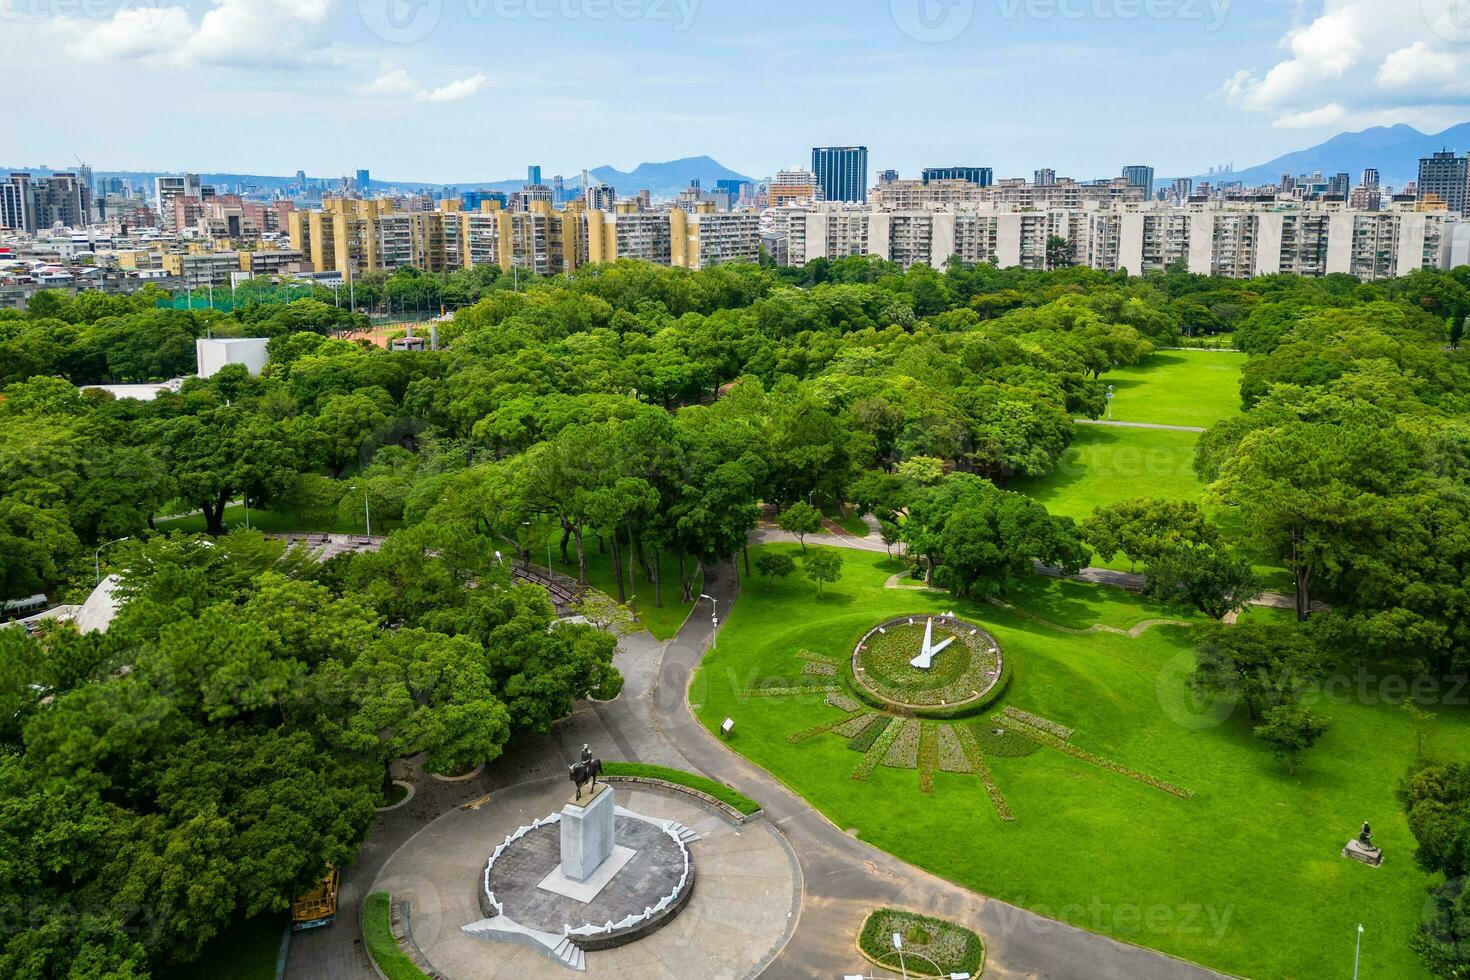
(843, 878)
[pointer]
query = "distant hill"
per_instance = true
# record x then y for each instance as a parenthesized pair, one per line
(663, 180)
(1394, 150)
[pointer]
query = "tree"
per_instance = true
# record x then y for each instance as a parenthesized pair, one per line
(774, 565)
(223, 452)
(1059, 253)
(1291, 729)
(1436, 800)
(800, 519)
(607, 614)
(822, 565)
(1263, 665)
(891, 534)
(1202, 577)
(1146, 527)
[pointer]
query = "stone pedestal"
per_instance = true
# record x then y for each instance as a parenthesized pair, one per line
(1366, 853)
(587, 829)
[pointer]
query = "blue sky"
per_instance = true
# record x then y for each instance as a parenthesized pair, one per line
(461, 90)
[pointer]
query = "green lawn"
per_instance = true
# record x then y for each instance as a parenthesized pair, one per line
(246, 951)
(1244, 876)
(1195, 388)
(1107, 465)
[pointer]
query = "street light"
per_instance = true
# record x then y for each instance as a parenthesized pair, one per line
(1358, 953)
(366, 509)
(714, 618)
(97, 558)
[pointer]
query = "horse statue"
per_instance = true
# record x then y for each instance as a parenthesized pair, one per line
(584, 772)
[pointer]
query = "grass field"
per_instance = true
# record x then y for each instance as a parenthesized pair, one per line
(1107, 465)
(1245, 876)
(1195, 388)
(273, 522)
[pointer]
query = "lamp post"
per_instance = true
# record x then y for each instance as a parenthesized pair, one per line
(97, 558)
(1358, 953)
(714, 618)
(367, 512)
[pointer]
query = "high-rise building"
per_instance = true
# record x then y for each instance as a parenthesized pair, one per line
(842, 172)
(167, 188)
(18, 203)
(1140, 175)
(1340, 184)
(1045, 177)
(887, 177)
(533, 175)
(364, 182)
(601, 197)
(983, 176)
(1370, 177)
(794, 187)
(1183, 188)
(1447, 177)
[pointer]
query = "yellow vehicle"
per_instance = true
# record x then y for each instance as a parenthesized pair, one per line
(317, 907)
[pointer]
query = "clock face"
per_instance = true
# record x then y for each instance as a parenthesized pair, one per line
(924, 661)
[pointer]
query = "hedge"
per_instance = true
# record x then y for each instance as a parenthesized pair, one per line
(377, 935)
(719, 791)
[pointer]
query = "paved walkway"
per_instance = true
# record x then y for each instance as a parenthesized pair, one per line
(1139, 425)
(747, 890)
(843, 878)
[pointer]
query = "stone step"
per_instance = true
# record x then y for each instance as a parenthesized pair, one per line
(569, 954)
(684, 834)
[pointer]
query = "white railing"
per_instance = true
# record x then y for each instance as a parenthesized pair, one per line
(634, 919)
(499, 850)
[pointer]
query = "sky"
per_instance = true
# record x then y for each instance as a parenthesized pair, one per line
(456, 91)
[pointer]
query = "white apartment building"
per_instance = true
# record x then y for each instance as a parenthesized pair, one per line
(1231, 241)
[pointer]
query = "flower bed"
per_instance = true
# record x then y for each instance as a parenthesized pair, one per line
(1036, 721)
(854, 726)
(952, 756)
(929, 944)
(782, 692)
(963, 678)
(928, 755)
(823, 729)
(842, 702)
(904, 753)
(814, 669)
(863, 740)
(816, 658)
(878, 750)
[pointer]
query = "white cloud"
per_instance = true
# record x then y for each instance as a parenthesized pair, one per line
(1328, 115)
(391, 82)
(397, 83)
(1354, 61)
(232, 33)
(454, 91)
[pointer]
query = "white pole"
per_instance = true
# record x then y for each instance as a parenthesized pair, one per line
(1358, 953)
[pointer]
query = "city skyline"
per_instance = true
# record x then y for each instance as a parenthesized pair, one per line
(1026, 81)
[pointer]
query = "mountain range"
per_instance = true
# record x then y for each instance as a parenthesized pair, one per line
(1394, 150)
(662, 180)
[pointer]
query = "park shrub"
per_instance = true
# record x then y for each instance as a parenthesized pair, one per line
(703, 784)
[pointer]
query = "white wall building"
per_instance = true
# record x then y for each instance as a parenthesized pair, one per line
(214, 354)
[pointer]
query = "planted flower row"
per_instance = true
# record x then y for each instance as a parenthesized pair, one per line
(878, 750)
(816, 730)
(1046, 738)
(982, 770)
(1036, 721)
